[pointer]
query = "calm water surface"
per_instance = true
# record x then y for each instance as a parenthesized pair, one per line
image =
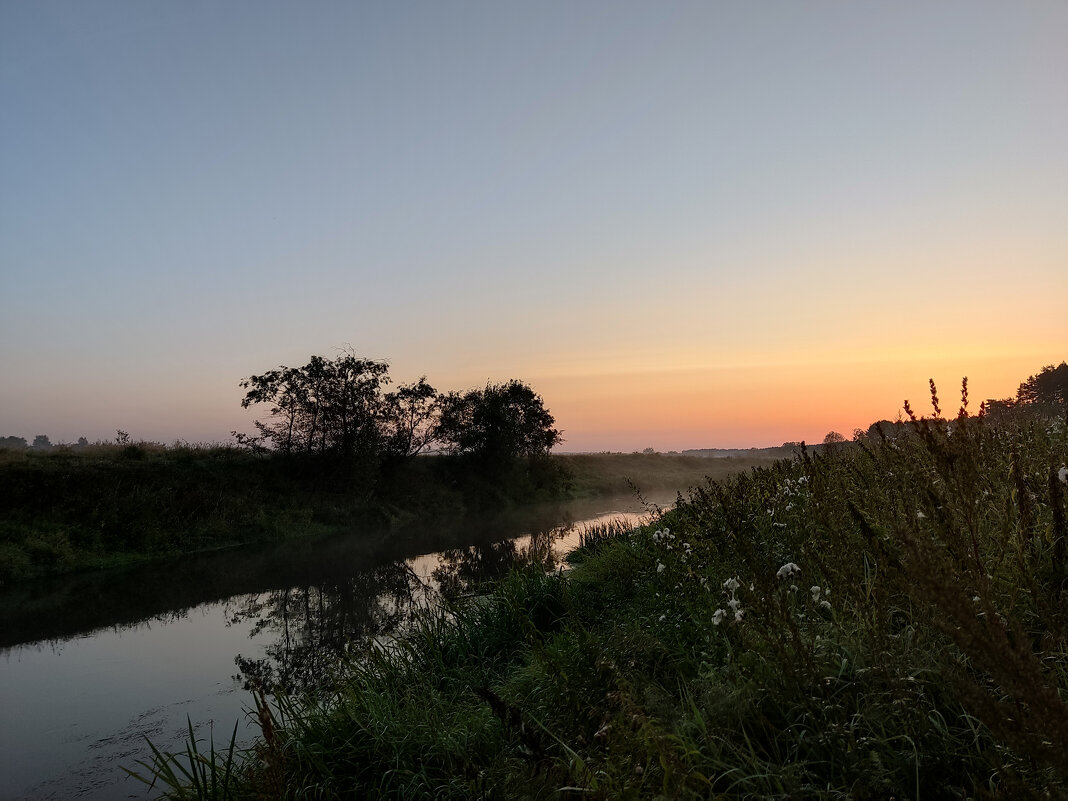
(91, 665)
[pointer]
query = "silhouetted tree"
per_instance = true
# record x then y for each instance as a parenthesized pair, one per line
(13, 443)
(832, 441)
(42, 443)
(1050, 386)
(325, 406)
(1039, 396)
(497, 424)
(410, 419)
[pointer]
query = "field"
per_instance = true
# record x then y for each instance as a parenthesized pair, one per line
(71, 509)
(885, 619)
(618, 473)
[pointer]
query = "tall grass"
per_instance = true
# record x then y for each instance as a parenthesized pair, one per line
(885, 619)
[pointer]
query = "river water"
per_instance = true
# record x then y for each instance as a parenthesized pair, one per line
(93, 664)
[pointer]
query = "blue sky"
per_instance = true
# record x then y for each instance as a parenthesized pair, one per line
(648, 211)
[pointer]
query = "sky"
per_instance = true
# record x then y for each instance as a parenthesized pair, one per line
(685, 224)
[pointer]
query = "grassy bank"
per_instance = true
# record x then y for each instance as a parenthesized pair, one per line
(883, 620)
(67, 509)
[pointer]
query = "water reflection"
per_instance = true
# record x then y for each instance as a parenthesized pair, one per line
(312, 628)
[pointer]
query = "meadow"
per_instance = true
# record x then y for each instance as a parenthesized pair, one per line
(81, 508)
(886, 618)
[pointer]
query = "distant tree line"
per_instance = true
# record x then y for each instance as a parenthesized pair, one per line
(1043, 394)
(41, 442)
(343, 407)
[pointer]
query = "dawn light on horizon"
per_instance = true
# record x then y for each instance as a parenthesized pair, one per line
(685, 224)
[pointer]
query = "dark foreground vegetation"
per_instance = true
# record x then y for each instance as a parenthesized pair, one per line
(887, 618)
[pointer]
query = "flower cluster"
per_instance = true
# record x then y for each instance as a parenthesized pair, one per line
(816, 590)
(788, 570)
(665, 538)
(730, 587)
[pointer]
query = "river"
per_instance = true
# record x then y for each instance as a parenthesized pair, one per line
(91, 665)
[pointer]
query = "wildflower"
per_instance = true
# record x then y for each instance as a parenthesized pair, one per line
(731, 584)
(815, 590)
(738, 615)
(734, 603)
(660, 567)
(825, 605)
(663, 618)
(920, 516)
(717, 616)
(787, 570)
(1062, 474)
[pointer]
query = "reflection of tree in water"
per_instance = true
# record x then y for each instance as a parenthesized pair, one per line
(316, 625)
(465, 571)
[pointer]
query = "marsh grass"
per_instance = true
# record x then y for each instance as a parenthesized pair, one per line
(193, 775)
(883, 619)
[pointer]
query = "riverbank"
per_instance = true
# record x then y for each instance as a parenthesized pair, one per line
(69, 510)
(880, 620)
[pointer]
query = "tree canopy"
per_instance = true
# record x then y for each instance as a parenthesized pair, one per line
(1050, 386)
(325, 406)
(498, 423)
(340, 406)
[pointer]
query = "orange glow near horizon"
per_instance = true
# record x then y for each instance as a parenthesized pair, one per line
(765, 405)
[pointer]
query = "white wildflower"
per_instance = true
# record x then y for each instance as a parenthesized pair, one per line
(825, 605)
(738, 615)
(1062, 474)
(815, 590)
(921, 516)
(787, 570)
(734, 603)
(660, 567)
(731, 584)
(717, 616)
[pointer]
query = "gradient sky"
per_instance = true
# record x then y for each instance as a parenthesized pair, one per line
(707, 224)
